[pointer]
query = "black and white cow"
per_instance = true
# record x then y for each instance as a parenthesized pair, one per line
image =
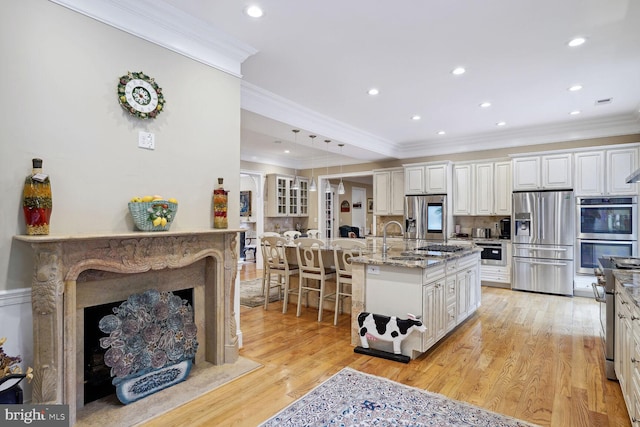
(386, 328)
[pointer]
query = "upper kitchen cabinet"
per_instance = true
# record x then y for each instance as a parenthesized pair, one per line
(503, 188)
(463, 189)
(427, 178)
(547, 172)
(282, 200)
(482, 188)
(604, 172)
(388, 191)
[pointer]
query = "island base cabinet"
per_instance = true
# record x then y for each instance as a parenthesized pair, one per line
(436, 293)
(627, 351)
(395, 291)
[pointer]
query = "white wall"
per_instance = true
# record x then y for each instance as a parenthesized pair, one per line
(58, 102)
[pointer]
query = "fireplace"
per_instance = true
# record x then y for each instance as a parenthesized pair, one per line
(75, 272)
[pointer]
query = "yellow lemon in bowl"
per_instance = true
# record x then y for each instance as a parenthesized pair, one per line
(172, 200)
(147, 199)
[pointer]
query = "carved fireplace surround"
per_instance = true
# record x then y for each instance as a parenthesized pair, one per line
(60, 292)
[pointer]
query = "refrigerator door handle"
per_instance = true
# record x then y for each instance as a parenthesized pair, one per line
(559, 264)
(542, 225)
(543, 249)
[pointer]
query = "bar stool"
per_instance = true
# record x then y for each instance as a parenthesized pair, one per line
(312, 267)
(314, 234)
(343, 251)
(276, 265)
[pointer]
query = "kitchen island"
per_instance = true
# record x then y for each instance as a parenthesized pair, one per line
(442, 287)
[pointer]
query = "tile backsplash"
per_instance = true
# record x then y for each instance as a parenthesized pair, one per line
(468, 222)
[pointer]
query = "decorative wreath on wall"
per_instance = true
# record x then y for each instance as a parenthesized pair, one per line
(140, 95)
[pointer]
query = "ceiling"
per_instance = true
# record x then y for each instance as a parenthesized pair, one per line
(316, 60)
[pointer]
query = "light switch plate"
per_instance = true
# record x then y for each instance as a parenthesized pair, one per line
(146, 140)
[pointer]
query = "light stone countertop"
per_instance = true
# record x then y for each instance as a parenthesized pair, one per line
(630, 280)
(402, 251)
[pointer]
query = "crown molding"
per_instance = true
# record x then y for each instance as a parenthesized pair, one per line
(276, 107)
(626, 124)
(169, 27)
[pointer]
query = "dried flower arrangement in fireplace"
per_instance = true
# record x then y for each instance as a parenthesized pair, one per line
(147, 332)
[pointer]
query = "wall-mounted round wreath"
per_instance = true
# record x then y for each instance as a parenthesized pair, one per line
(140, 95)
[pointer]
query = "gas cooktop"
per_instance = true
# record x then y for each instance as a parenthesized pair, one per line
(621, 263)
(627, 263)
(441, 248)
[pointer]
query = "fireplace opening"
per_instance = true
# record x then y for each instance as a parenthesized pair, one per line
(97, 375)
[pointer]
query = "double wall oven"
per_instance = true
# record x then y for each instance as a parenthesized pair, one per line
(606, 226)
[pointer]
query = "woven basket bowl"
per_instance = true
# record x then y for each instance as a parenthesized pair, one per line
(140, 213)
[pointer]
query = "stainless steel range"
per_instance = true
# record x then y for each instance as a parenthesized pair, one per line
(604, 292)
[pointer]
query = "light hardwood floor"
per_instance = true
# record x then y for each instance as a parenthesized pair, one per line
(530, 356)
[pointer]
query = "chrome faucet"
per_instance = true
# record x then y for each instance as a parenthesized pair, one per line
(385, 248)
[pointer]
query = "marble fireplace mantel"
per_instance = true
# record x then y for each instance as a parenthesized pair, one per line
(60, 260)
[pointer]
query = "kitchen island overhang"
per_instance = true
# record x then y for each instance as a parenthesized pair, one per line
(442, 287)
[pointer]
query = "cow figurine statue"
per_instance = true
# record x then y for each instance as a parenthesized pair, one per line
(387, 328)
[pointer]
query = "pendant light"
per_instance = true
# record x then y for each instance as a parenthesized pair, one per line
(296, 180)
(341, 185)
(327, 188)
(312, 186)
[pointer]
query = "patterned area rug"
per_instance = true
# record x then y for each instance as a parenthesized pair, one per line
(352, 398)
(251, 293)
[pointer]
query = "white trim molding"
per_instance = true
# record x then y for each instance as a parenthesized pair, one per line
(15, 297)
(169, 27)
(276, 107)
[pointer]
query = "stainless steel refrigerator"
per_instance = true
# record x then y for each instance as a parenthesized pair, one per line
(543, 241)
(426, 217)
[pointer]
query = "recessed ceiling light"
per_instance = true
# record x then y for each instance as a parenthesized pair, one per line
(415, 117)
(577, 41)
(373, 91)
(254, 11)
(575, 88)
(485, 105)
(457, 71)
(575, 112)
(501, 124)
(441, 132)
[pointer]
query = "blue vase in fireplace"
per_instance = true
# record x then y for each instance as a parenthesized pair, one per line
(10, 390)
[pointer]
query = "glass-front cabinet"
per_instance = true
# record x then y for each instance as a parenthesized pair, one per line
(283, 199)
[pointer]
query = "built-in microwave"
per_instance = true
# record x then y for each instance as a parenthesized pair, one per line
(493, 253)
(607, 218)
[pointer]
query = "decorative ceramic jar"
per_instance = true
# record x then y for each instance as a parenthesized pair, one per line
(36, 200)
(220, 203)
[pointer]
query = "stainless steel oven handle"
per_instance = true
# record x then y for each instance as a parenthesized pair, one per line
(597, 294)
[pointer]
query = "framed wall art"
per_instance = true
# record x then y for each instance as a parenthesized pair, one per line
(245, 203)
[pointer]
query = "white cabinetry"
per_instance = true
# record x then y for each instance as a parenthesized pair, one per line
(462, 189)
(282, 200)
(444, 295)
(503, 188)
(627, 351)
(482, 188)
(427, 178)
(551, 171)
(603, 172)
(388, 191)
